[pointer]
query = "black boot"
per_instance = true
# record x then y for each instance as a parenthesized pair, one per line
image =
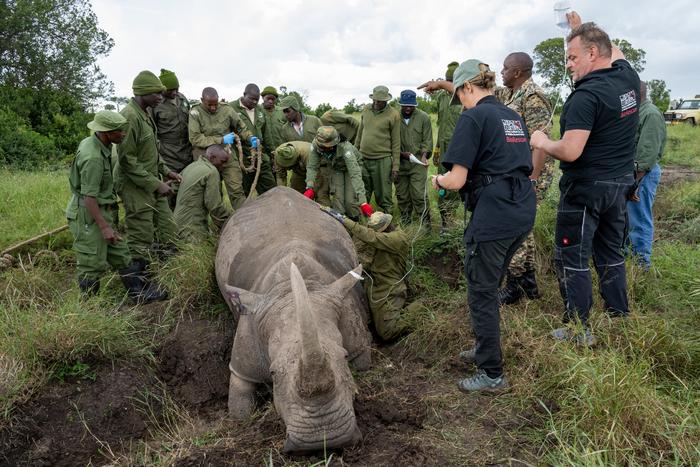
(89, 287)
(528, 283)
(139, 288)
(511, 292)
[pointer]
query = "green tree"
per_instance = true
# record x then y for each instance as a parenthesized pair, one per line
(322, 108)
(636, 57)
(352, 107)
(658, 93)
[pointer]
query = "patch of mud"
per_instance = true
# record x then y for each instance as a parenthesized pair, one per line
(671, 174)
(194, 362)
(76, 422)
(445, 261)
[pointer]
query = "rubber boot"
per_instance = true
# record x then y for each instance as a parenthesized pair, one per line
(511, 292)
(528, 283)
(89, 287)
(139, 288)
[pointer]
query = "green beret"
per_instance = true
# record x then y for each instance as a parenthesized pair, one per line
(169, 79)
(146, 83)
(269, 90)
(289, 102)
(107, 120)
(286, 156)
(449, 74)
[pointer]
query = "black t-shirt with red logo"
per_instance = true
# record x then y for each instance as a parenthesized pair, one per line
(491, 139)
(606, 103)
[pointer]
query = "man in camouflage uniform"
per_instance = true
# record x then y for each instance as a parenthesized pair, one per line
(170, 117)
(294, 156)
(346, 125)
(344, 162)
(379, 142)
(383, 251)
(521, 94)
(416, 140)
(92, 212)
(447, 116)
(200, 196)
(148, 218)
(214, 122)
(253, 117)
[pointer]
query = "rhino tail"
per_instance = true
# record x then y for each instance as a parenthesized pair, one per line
(314, 375)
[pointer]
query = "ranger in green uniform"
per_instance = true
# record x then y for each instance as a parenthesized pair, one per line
(274, 122)
(344, 161)
(521, 94)
(93, 208)
(253, 117)
(447, 116)
(346, 125)
(416, 140)
(149, 220)
(212, 122)
(199, 197)
(383, 252)
(379, 142)
(171, 118)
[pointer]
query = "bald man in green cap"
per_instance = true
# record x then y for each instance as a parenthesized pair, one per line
(379, 141)
(140, 172)
(92, 212)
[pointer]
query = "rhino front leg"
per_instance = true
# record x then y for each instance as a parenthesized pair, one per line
(241, 397)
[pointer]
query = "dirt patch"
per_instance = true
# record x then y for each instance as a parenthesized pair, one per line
(194, 362)
(445, 261)
(671, 174)
(75, 422)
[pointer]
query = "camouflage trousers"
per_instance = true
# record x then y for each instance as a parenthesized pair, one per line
(524, 258)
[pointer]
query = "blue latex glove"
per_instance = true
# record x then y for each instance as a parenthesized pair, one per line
(254, 142)
(229, 138)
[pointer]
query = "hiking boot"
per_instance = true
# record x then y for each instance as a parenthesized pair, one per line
(510, 293)
(480, 381)
(89, 287)
(139, 288)
(528, 283)
(468, 356)
(582, 339)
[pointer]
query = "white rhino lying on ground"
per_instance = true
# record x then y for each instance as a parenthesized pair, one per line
(285, 269)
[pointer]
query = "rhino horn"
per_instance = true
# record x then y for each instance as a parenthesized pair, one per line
(344, 284)
(315, 375)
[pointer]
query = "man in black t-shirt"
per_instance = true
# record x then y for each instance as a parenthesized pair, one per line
(598, 123)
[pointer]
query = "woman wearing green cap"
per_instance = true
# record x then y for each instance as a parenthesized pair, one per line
(488, 161)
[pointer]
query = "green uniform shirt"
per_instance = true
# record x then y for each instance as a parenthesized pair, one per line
(345, 159)
(531, 103)
(417, 134)
(256, 127)
(170, 117)
(198, 198)
(379, 134)
(207, 128)
(384, 259)
(273, 127)
(303, 149)
(309, 125)
(346, 125)
(651, 136)
(447, 116)
(139, 161)
(91, 175)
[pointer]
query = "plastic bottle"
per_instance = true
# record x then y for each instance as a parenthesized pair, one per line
(561, 8)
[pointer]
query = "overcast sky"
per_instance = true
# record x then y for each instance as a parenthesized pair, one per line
(333, 52)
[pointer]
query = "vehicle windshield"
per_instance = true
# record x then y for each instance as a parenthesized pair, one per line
(690, 104)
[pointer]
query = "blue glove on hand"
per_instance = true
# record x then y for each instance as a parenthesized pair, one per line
(254, 142)
(334, 214)
(229, 138)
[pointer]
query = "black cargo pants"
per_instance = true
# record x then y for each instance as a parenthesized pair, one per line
(591, 221)
(485, 265)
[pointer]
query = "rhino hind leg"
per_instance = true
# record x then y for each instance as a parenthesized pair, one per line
(241, 397)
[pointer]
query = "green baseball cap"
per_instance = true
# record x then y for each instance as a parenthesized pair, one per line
(380, 93)
(327, 137)
(464, 72)
(286, 156)
(107, 120)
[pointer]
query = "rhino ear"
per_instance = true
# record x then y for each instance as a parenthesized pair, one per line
(345, 283)
(243, 300)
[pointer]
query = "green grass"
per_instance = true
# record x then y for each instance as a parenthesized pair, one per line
(682, 146)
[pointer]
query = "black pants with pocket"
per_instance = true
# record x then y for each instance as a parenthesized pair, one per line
(591, 221)
(485, 265)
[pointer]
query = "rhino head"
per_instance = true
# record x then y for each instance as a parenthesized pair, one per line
(299, 336)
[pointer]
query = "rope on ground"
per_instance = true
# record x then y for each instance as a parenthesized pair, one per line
(9, 250)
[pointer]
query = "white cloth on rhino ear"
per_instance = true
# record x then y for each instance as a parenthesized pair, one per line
(346, 282)
(356, 275)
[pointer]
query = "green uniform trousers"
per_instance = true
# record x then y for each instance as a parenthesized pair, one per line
(411, 191)
(376, 175)
(148, 220)
(388, 314)
(343, 196)
(93, 254)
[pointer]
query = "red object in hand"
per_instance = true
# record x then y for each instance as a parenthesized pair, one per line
(366, 209)
(309, 193)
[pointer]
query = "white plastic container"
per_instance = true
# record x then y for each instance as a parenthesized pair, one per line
(561, 8)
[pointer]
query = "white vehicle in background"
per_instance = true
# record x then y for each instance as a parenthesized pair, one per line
(684, 111)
